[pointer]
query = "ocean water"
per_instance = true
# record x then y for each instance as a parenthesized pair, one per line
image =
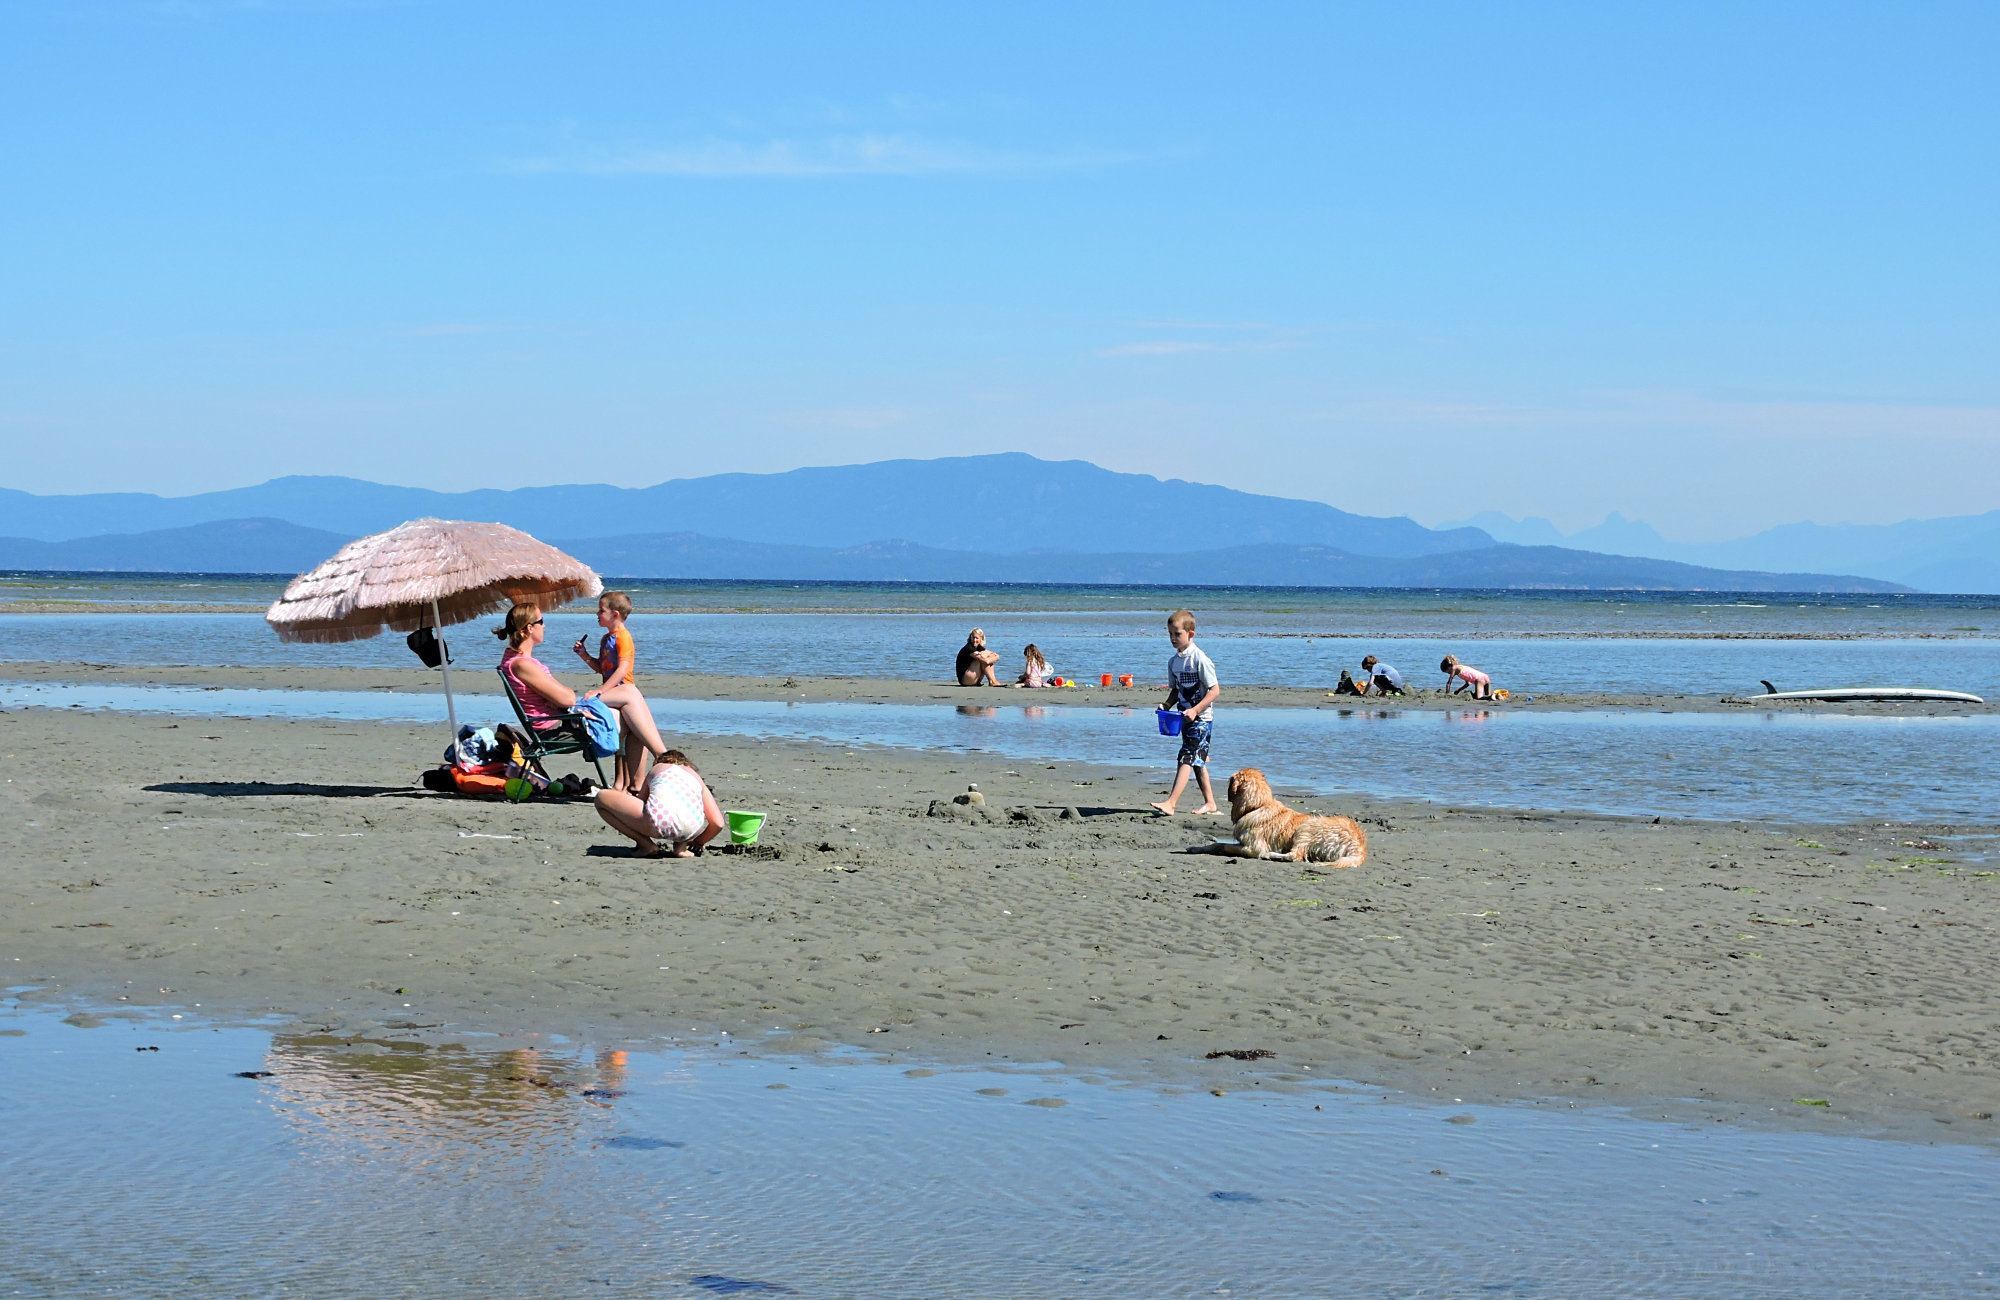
(1387, 611)
(1767, 766)
(144, 1163)
(1756, 766)
(1249, 648)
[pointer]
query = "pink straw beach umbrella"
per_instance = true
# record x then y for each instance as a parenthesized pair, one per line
(426, 573)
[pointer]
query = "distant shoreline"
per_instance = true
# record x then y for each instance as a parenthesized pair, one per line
(804, 689)
(48, 608)
(1172, 592)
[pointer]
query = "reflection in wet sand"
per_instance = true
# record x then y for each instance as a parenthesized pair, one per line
(491, 1172)
(389, 1094)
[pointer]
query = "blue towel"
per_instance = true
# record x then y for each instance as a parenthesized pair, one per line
(600, 726)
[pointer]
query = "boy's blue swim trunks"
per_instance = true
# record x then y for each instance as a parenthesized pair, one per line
(1194, 742)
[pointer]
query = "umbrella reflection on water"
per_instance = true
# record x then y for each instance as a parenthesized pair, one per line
(437, 1102)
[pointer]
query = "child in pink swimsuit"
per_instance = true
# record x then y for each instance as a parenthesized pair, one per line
(1035, 670)
(1459, 676)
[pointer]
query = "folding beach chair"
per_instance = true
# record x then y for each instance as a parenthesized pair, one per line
(564, 738)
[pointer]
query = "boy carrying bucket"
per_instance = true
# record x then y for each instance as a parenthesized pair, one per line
(1191, 688)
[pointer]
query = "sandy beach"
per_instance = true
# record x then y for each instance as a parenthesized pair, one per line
(292, 869)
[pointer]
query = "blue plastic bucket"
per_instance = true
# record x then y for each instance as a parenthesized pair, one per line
(1170, 721)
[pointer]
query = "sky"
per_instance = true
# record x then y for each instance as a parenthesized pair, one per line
(1714, 266)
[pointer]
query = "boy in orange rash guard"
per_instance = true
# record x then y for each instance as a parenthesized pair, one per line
(614, 660)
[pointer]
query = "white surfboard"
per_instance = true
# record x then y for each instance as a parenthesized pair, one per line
(1922, 693)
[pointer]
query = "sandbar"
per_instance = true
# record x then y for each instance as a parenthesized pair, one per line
(292, 869)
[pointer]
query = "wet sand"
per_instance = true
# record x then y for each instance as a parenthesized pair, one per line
(292, 869)
(875, 690)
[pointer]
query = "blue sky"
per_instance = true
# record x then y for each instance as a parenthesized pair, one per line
(1717, 266)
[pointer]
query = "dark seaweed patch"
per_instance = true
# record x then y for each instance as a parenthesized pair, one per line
(632, 1142)
(721, 1285)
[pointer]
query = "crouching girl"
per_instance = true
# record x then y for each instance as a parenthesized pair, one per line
(675, 818)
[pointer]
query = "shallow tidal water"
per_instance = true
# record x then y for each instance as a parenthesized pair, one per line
(1789, 767)
(140, 1160)
(1528, 645)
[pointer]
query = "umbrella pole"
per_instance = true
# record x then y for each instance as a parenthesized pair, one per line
(444, 661)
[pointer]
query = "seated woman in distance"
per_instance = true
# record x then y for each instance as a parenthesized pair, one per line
(975, 661)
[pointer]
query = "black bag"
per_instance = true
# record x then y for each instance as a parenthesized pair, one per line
(428, 646)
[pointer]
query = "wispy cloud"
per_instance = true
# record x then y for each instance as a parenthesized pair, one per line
(1210, 336)
(1228, 326)
(1161, 348)
(1855, 419)
(204, 10)
(1782, 418)
(450, 329)
(835, 155)
(855, 419)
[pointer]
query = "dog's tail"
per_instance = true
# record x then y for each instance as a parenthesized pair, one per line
(1354, 851)
(1356, 846)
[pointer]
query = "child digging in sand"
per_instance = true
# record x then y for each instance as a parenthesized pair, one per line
(1384, 679)
(1464, 677)
(1191, 687)
(677, 816)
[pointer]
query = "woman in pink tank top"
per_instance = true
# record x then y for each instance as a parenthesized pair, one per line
(547, 701)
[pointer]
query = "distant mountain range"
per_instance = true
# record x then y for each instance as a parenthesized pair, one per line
(1960, 553)
(1005, 503)
(273, 546)
(1007, 517)
(226, 546)
(1266, 564)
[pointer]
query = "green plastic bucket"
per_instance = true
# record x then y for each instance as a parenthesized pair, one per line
(743, 826)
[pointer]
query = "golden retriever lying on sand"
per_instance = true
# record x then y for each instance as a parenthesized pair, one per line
(1266, 828)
